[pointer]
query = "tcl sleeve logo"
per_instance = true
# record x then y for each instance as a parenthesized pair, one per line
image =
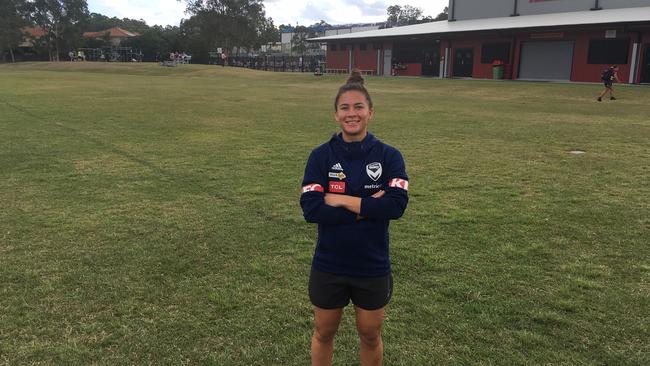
(337, 187)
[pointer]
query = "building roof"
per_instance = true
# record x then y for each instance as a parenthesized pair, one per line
(608, 16)
(114, 32)
(30, 34)
(34, 32)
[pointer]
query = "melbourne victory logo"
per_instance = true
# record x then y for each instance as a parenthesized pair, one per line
(374, 171)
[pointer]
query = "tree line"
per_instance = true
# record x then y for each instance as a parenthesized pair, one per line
(212, 24)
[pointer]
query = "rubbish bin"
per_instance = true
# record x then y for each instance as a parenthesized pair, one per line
(497, 72)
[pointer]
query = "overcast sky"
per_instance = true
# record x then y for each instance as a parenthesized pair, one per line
(170, 12)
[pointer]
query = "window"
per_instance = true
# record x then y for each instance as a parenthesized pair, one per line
(332, 47)
(344, 47)
(377, 46)
(610, 51)
(415, 53)
(362, 46)
(495, 51)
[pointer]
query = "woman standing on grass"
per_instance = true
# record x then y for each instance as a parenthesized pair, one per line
(353, 185)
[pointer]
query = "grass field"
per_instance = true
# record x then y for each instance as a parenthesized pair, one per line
(150, 215)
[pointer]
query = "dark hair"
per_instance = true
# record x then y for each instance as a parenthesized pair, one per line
(355, 82)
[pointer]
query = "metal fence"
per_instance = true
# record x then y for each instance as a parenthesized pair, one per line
(276, 63)
(108, 54)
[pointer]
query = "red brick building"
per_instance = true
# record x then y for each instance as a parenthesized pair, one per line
(556, 45)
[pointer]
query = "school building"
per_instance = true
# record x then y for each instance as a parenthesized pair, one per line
(521, 39)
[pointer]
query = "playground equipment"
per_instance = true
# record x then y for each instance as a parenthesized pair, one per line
(109, 54)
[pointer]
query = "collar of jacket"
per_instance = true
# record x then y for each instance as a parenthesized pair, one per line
(353, 150)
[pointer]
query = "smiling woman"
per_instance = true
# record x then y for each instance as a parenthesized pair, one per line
(353, 186)
(353, 109)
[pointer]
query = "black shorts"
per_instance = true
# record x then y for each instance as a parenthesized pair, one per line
(608, 84)
(331, 291)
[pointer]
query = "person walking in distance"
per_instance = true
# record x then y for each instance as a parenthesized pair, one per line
(609, 76)
(354, 184)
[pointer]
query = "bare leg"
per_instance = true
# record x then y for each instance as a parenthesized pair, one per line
(602, 93)
(326, 323)
(369, 327)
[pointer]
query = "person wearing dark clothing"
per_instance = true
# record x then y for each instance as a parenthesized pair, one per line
(609, 76)
(353, 186)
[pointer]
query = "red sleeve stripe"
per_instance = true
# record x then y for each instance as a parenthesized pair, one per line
(399, 183)
(312, 187)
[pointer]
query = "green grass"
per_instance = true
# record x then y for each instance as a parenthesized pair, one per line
(150, 215)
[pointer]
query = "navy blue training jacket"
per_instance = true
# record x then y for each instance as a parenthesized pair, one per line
(346, 245)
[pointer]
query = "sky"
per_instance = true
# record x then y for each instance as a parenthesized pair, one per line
(170, 12)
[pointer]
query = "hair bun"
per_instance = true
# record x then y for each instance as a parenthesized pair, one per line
(355, 77)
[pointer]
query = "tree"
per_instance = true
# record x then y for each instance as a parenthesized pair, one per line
(320, 27)
(157, 42)
(229, 23)
(299, 39)
(133, 25)
(12, 19)
(394, 12)
(61, 20)
(442, 16)
(405, 15)
(410, 15)
(268, 33)
(285, 28)
(201, 34)
(98, 22)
